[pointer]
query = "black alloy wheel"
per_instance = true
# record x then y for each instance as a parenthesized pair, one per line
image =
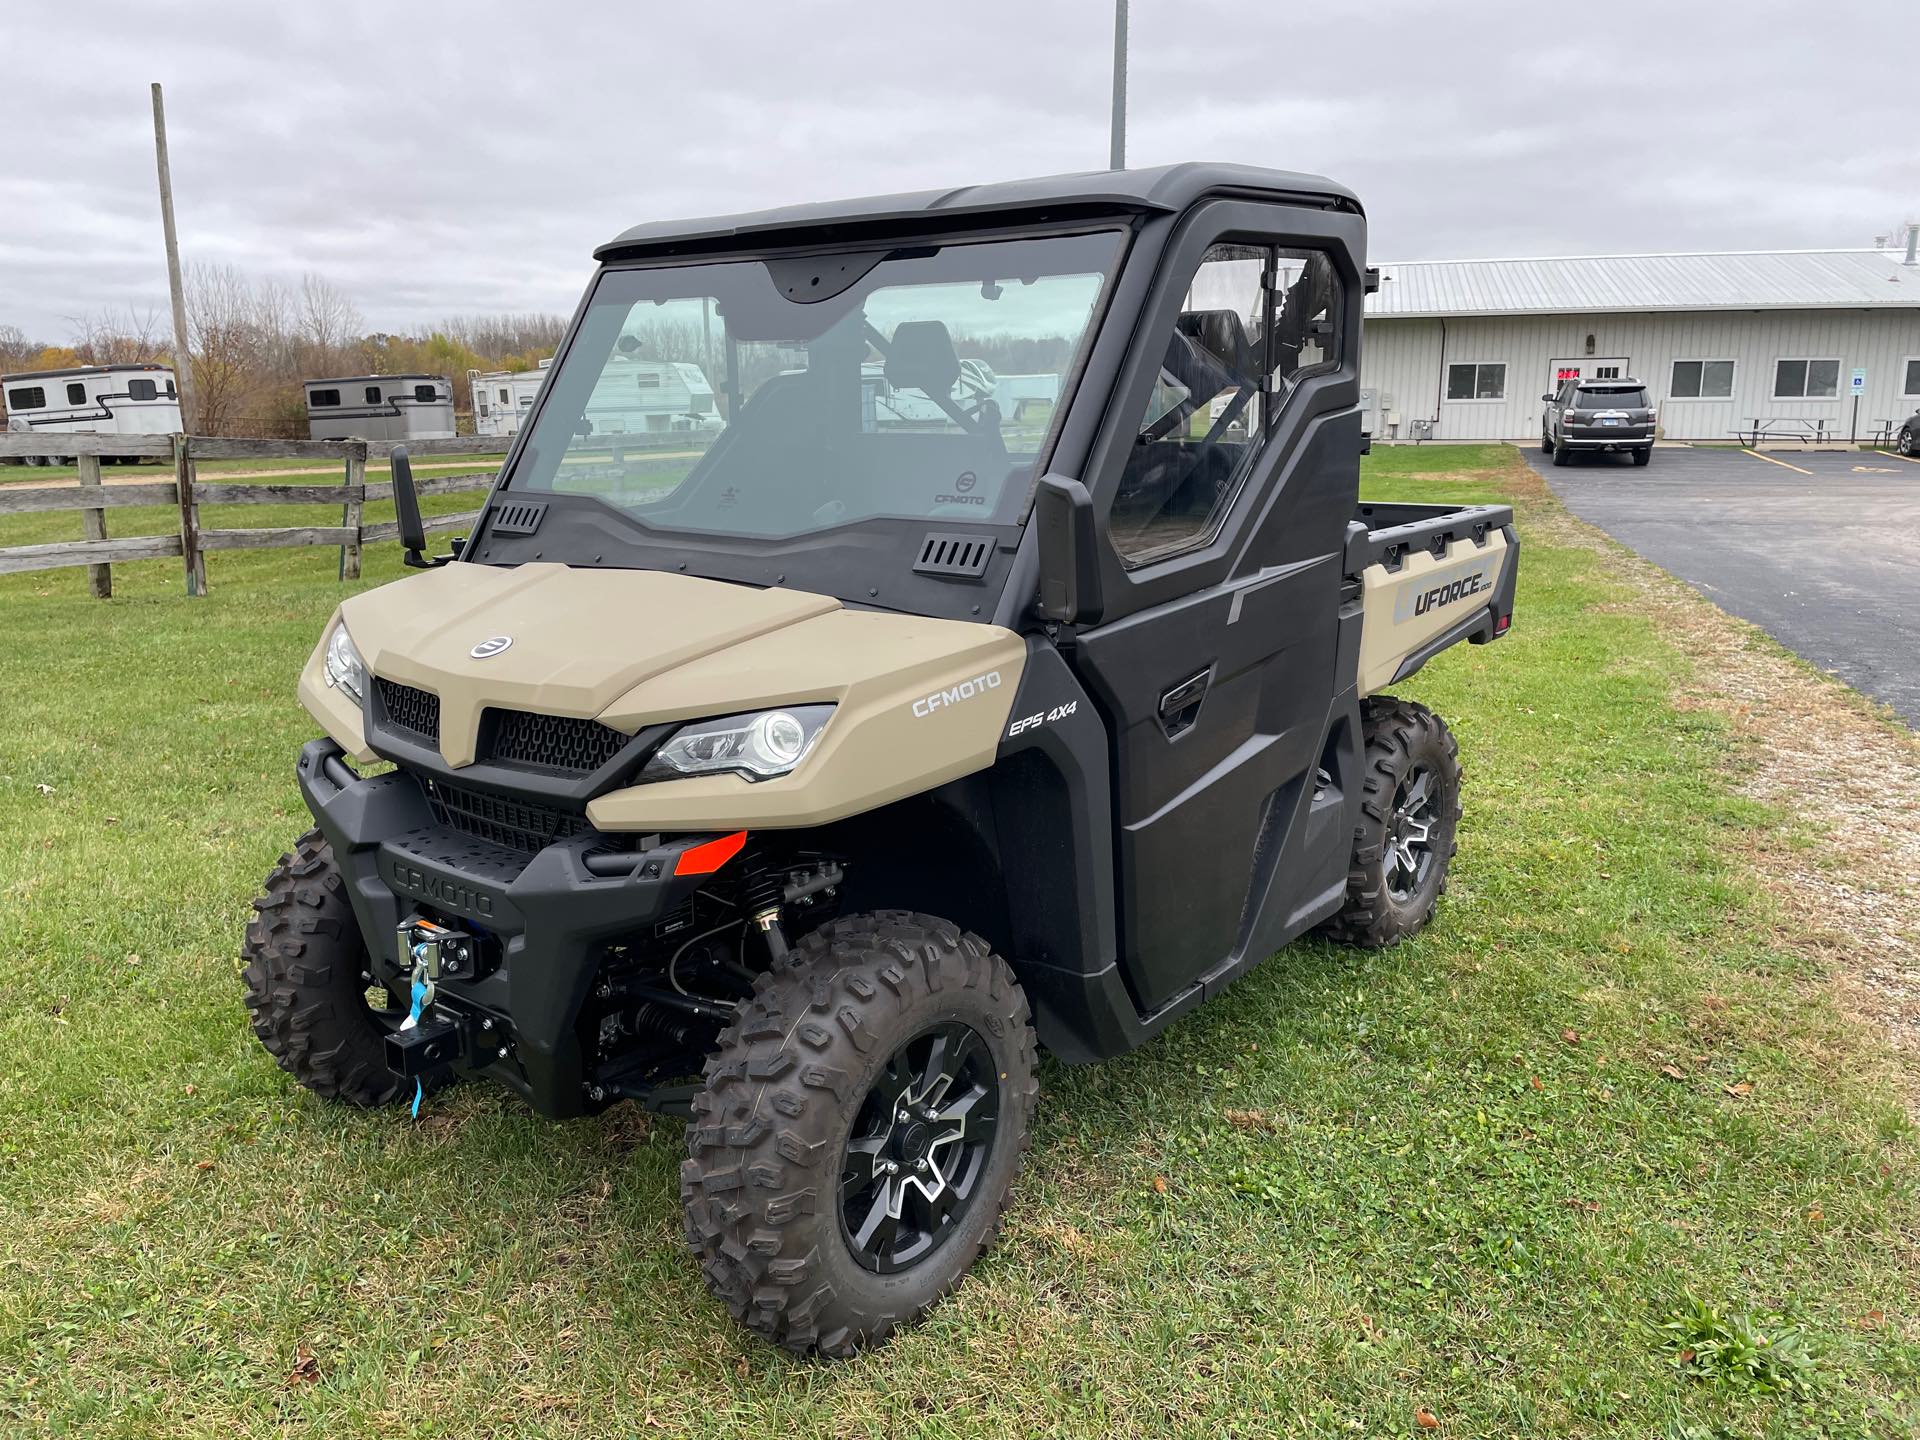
(1409, 837)
(921, 1143)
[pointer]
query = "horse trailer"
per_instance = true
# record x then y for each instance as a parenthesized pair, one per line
(380, 407)
(91, 400)
(502, 398)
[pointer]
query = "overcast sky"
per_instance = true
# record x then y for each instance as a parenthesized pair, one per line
(438, 159)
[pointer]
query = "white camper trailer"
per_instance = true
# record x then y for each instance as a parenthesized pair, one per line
(380, 407)
(91, 399)
(502, 398)
(653, 397)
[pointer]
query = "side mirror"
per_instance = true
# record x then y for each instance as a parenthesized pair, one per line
(406, 507)
(1069, 552)
(1548, 397)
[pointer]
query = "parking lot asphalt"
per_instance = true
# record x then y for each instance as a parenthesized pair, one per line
(1819, 549)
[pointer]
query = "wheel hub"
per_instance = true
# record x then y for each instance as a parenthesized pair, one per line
(1409, 834)
(919, 1145)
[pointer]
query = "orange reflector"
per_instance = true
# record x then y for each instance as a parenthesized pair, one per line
(709, 855)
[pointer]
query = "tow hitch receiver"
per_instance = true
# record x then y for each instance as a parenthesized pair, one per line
(430, 1040)
(430, 1046)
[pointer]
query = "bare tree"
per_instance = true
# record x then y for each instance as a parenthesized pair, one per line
(132, 336)
(16, 350)
(224, 334)
(327, 321)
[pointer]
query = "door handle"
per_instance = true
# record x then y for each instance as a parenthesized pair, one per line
(1180, 706)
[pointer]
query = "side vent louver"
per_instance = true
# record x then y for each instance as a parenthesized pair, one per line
(517, 517)
(950, 553)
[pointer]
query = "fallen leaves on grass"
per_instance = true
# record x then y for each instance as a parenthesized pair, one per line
(306, 1369)
(1673, 1072)
(1426, 1419)
(1251, 1120)
(1159, 1184)
(1570, 1035)
(1740, 1089)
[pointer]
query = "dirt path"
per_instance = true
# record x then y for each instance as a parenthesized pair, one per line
(1841, 766)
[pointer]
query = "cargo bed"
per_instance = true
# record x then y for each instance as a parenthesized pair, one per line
(1427, 577)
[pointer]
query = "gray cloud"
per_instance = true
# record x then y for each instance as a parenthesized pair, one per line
(451, 159)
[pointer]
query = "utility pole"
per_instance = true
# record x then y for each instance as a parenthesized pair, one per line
(182, 357)
(1117, 159)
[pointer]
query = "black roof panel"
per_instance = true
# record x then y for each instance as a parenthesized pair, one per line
(1166, 188)
(350, 379)
(79, 370)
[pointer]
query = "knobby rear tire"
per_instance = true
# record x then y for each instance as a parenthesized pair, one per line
(1400, 736)
(783, 1090)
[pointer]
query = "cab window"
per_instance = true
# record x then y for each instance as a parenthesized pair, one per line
(1258, 321)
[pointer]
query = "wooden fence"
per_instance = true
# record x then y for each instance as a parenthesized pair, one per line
(185, 492)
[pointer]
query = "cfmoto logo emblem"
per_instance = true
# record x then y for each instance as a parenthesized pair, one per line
(490, 647)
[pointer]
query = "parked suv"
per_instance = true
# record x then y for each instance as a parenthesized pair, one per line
(1597, 415)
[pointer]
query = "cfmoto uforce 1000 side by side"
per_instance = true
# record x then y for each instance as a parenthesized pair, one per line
(981, 648)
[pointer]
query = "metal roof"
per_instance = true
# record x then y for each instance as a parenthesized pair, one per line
(1587, 284)
(1163, 188)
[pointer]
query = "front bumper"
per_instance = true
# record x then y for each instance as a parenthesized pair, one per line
(549, 915)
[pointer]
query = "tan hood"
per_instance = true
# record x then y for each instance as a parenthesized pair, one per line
(632, 648)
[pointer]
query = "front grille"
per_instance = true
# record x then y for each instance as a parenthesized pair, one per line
(554, 742)
(514, 824)
(409, 708)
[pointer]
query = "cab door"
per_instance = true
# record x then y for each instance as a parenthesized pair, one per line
(1226, 476)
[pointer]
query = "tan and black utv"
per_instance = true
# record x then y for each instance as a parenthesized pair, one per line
(989, 654)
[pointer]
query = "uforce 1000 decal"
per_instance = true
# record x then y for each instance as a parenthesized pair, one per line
(954, 694)
(1444, 590)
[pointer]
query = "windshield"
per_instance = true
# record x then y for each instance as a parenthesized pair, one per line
(1619, 398)
(726, 399)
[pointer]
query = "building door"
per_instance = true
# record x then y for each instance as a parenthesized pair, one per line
(1586, 367)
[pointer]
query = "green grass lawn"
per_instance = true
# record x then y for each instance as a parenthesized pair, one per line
(1471, 1178)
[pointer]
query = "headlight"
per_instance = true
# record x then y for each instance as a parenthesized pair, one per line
(759, 746)
(344, 666)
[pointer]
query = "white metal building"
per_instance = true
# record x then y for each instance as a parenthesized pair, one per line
(1464, 349)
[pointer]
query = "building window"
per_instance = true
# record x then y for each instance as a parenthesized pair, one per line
(26, 397)
(1911, 388)
(320, 399)
(1806, 379)
(142, 390)
(504, 399)
(1701, 380)
(76, 393)
(1477, 381)
(425, 394)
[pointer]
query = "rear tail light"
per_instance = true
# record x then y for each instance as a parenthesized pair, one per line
(1502, 624)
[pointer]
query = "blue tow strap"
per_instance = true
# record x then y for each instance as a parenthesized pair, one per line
(420, 993)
